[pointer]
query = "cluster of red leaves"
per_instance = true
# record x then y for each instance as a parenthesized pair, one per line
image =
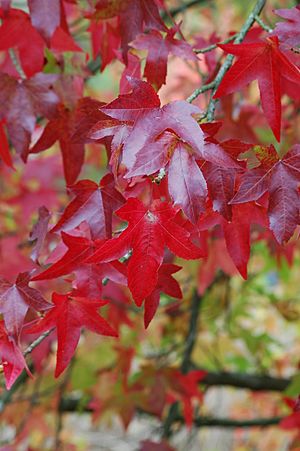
(175, 186)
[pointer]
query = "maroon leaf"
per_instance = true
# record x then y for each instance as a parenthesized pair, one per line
(288, 32)
(159, 48)
(39, 232)
(281, 178)
(16, 299)
(21, 102)
(93, 203)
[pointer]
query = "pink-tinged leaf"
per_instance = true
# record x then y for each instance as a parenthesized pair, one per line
(11, 358)
(186, 183)
(288, 32)
(145, 14)
(150, 229)
(4, 147)
(93, 203)
(281, 179)
(70, 313)
(159, 48)
(15, 300)
(21, 102)
(45, 16)
(221, 181)
(131, 70)
(39, 232)
(265, 62)
(237, 237)
(128, 107)
(167, 284)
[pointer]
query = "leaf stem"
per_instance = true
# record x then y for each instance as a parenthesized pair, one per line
(36, 342)
(209, 48)
(15, 60)
(263, 24)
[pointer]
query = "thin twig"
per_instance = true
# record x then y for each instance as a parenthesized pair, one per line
(229, 59)
(199, 91)
(15, 60)
(186, 358)
(211, 47)
(185, 6)
(36, 342)
(263, 24)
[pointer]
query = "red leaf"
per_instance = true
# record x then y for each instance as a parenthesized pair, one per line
(165, 283)
(105, 38)
(11, 358)
(17, 31)
(264, 61)
(69, 315)
(93, 203)
(4, 147)
(61, 41)
(16, 299)
(79, 249)
(149, 231)
(61, 128)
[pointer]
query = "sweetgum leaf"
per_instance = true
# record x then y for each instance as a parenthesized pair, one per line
(289, 31)
(21, 102)
(70, 313)
(11, 358)
(15, 300)
(265, 62)
(281, 179)
(93, 203)
(150, 229)
(159, 48)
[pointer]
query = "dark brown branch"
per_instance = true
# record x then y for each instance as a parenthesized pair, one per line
(185, 6)
(76, 405)
(246, 381)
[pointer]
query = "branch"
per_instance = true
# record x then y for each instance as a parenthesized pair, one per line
(184, 7)
(36, 342)
(75, 405)
(253, 17)
(228, 60)
(231, 423)
(186, 358)
(246, 381)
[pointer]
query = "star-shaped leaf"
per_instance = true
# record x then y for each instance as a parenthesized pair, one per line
(70, 313)
(265, 62)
